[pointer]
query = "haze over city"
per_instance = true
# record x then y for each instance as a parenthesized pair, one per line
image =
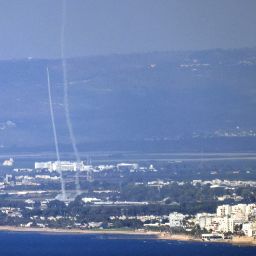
(127, 127)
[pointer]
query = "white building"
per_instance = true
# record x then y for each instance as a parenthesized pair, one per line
(250, 210)
(223, 210)
(43, 165)
(62, 166)
(249, 229)
(105, 167)
(206, 221)
(8, 162)
(90, 200)
(227, 217)
(239, 210)
(176, 219)
(226, 224)
(132, 166)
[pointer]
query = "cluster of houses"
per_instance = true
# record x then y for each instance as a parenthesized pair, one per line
(239, 219)
(228, 219)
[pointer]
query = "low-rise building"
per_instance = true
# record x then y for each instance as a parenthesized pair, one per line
(176, 219)
(249, 229)
(223, 210)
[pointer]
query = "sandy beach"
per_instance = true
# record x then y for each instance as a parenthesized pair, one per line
(78, 231)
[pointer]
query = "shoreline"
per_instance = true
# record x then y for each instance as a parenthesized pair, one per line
(238, 241)
(73, 231)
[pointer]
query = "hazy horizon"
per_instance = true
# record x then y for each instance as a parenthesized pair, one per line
(108, 27)
(106, 55)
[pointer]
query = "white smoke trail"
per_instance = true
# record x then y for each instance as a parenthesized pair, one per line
(66, 101)
(63, 190)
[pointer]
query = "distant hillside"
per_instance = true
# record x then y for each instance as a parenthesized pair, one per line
(120, 100)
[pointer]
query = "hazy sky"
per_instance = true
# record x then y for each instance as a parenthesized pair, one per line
(32, 27)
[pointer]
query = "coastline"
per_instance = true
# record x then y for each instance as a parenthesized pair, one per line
(239, 241)
(80, 231)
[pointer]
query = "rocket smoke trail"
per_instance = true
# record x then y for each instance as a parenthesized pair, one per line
(63, 191)
(66, 102)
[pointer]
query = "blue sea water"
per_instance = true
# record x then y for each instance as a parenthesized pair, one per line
(35, 244)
